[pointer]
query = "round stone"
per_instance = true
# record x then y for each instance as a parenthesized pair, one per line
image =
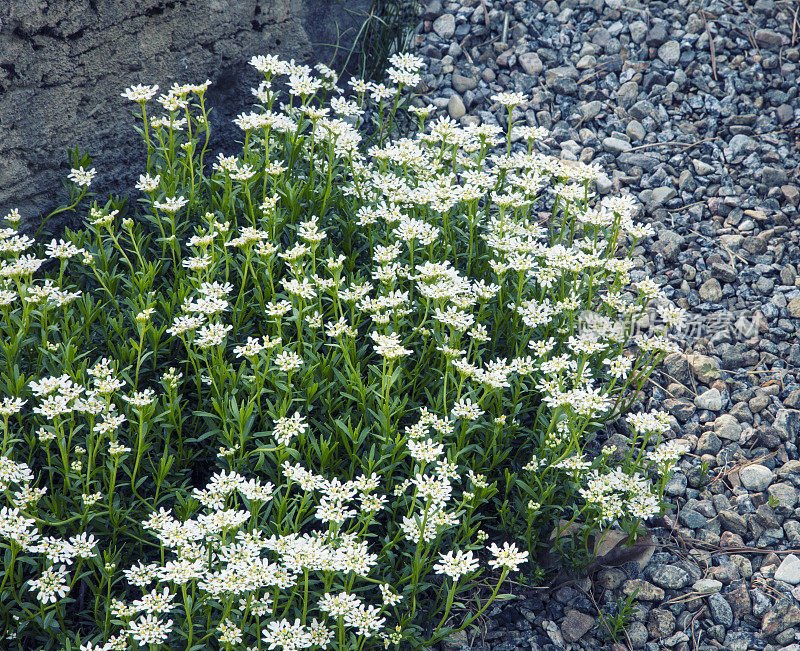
(708, 443)
(576, 625)
(644, 590)
(740, 145)
(785, 494)
(461, 84)
(628, 92)
(701, 167)
(590, 110)
(638, 30)
(663, 194)
(660, 623)
(615, 146)
(635, 131)
(756, 477)
(455, 107)
(721, 610)
(707, 586)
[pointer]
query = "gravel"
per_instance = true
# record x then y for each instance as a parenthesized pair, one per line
(697, 118)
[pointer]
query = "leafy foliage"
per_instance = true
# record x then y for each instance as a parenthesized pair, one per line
(287, 399)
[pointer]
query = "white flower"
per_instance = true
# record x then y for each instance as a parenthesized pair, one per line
(508, 557)
(288, 360)
(423, 111)
(668, 453)
(406, 61)
(52, 585)
(171, 204)
(148, 183)
(390, 598)
(62, 250)
(288, 428)
(211, 334)
(140, 93)
(648, 288)
(339, 604)
(389, 345)
(426, 451)
(149, 629)
(508, 99)
(654, 422)
(83, 545)
(269, 64)
(94, 646)
(140, 398)
(674, 317)
(455, 565)
(81, 176)
(11, 406)
(229, 633)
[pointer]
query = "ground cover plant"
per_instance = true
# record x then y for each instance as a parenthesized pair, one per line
(327, 392)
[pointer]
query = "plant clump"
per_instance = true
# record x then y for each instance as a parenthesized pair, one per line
(326, 392)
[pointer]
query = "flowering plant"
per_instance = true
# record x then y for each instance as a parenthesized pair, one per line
(297, 399)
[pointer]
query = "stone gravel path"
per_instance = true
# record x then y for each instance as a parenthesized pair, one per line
(691, 106)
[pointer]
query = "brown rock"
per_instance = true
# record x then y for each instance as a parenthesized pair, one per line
(792, 194)
(576, 625)
(711, 291)
(784, 614)
(660, 623)
(681, 408)
(730, 539)
(756, 245)
(462, 84)
(455, 106)
(738, 597)
(531, 63)
(732, 521)
(770, 39)
(610, 578)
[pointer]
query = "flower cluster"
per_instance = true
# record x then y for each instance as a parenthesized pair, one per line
(266, 404)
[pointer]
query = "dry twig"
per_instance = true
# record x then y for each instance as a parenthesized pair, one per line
(711, 47)
(485, 13)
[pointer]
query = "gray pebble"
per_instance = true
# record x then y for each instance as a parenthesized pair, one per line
(445, 25)
(531, 63)
(711, 400)
(615, 145)
(756, 477)
(721, 610)
(455, 107)
(670, 52)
